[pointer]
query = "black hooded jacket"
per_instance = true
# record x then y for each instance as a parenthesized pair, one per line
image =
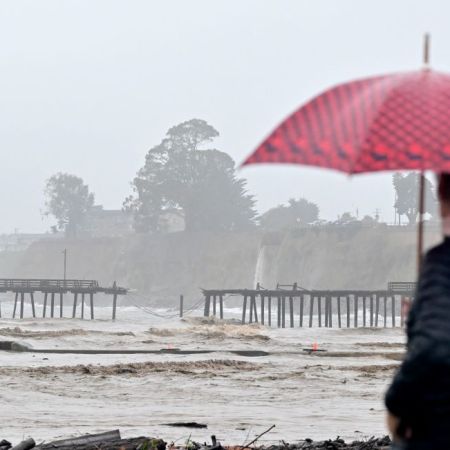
(420, 392)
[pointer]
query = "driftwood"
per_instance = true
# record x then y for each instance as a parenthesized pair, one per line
(336, 444)
(186, 425)
(5, 445)
(110, 440)
(215, 445)
(84, 440)
(258, 437)
(25, 445)
(119, 444)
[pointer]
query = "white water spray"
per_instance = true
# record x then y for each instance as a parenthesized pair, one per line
(260, 267)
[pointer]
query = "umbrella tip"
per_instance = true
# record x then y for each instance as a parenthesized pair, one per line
(426, 50)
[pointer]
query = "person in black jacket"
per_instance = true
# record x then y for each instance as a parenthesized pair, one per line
(418, 400)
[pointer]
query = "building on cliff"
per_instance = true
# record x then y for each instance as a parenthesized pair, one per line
(17, 242)
(118, 223)
(101, 222)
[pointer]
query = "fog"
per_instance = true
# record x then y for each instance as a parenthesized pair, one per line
(88, 87)
(147, 280)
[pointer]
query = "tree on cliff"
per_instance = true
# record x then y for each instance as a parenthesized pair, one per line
(181, 174)
(406, 190)
(68, 199)
(296, 213)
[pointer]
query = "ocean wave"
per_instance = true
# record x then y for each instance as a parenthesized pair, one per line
(213, 329)
(42, 334)
(197, 368)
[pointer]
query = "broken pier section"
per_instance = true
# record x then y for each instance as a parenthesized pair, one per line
(54, 292)
(344, 308)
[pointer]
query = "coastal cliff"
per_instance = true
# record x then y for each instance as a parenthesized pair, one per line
(163, 266)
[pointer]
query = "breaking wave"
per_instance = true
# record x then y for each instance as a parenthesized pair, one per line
(214, 329)
(42, 334)
(208, 367)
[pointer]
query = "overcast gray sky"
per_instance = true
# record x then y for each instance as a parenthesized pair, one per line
(87, 87)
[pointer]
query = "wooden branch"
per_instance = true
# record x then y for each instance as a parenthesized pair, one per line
(258, 437)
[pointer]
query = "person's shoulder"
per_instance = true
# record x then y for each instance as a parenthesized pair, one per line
(440, 252)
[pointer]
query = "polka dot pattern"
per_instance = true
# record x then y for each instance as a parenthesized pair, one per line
(393, 122)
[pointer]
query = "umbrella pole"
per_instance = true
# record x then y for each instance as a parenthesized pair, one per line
(426, 61)
(420, 227)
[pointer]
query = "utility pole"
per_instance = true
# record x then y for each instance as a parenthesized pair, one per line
(65, 265)
(377, 214)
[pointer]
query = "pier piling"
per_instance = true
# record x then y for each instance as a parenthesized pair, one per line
(33, 309)
(22, 301)
(291, 312)
(286, 300)
(262, 310)
(311, 310)
(319, 309)
(74, 310)
(339, 311)
(302, 303)
(348, 310)
(244, 309)
(377, 309)
(364, 311)
(91, 304)
(371, 310)
(15, 305)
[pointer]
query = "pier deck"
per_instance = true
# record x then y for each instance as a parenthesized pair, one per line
(52, 288)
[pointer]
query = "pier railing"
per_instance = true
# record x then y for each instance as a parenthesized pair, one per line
(43, 285)
(50, 288)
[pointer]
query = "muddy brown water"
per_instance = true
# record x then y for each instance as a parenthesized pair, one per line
(52, 396)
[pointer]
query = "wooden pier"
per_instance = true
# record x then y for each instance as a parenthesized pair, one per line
(349, 308)
(54, 292)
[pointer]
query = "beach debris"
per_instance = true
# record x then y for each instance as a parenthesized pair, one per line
(25, 445)
(215, 445)
(86, 439)
(258, 437)
(250, 353)
(373, 443)
(112, 440)
(313, 350)
(5, 445)
(186, 424)
(140, 443)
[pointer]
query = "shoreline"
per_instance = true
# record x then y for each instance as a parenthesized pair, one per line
(112, 440)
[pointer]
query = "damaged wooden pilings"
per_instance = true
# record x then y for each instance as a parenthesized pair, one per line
(24, 289)
(302, 304)
(343, 303)
(244, 309)
(221, 306)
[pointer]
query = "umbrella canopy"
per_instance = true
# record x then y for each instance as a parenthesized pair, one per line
(391, 122)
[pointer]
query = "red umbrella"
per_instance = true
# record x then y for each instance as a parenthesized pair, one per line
(391, 122)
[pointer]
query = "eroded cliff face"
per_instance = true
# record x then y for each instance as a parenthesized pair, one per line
(346, 258)
(156, 266)
(161, 267)
(9, 261)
